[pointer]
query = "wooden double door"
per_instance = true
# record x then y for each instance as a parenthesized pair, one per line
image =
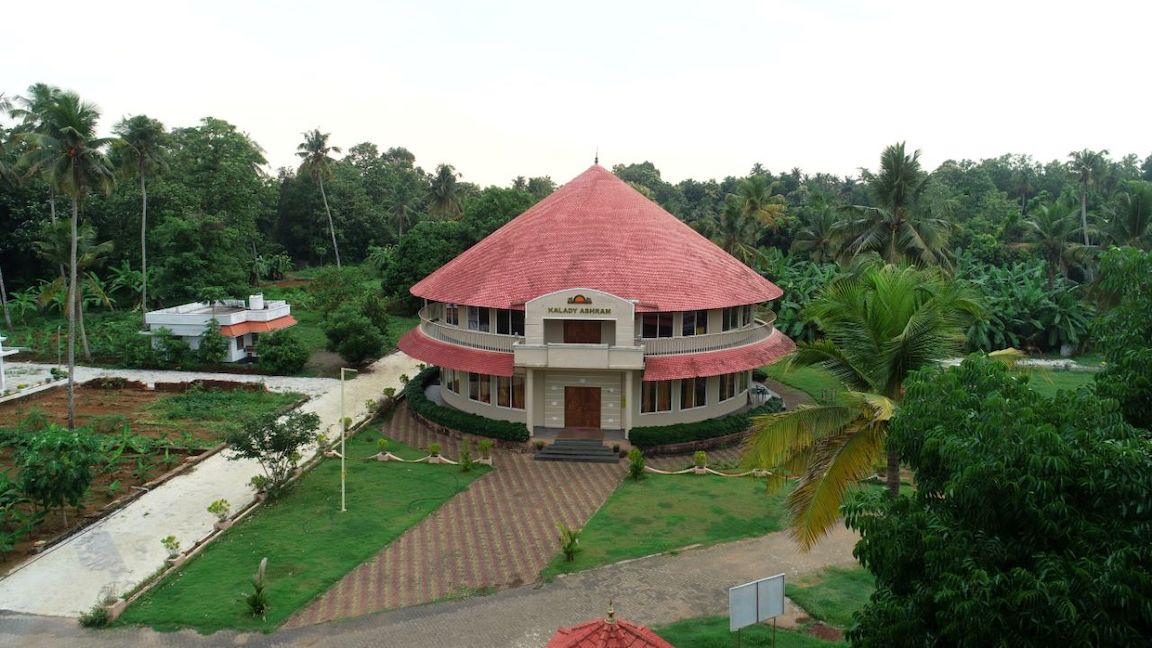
(582, 331)
(582, 407)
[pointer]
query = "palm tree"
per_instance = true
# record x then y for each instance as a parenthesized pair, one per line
(881, 323)
(1132, 224)
(894, 228)
(757, 201)
(444, 194)
(1086, 167)
(733, 230)
(317, 163)
(32, 112)
(54, 245)
(818, 235)
(7, 176)
(141, 145)
(72, 159)
(1051, 231)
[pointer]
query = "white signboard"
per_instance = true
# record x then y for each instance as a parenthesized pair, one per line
(754, 602)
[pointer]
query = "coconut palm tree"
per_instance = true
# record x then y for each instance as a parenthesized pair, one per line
(141, 146)
(1051, 230)
(757, 201)
(881, 322)
(444, 194)
(317, 163)
(734, 230)
(7, 176)
(31, 110)
(818, 236)
(895, 229)
(55, 246)
(1132, 223)
(1086, 167)
(70, 156)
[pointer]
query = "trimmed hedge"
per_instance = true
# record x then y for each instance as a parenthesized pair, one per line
(656, 435)
(455, 419)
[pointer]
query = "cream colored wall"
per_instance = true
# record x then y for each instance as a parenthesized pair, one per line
(712, 409)
(465, 404)
(541, 325)
(611, 384)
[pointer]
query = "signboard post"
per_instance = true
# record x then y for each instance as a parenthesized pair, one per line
(755, 602)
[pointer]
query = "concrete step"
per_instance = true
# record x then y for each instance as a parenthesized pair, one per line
(598, 458)
(552, 449)
(581, 450)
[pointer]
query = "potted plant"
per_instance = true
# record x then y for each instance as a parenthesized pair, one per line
(173, 546)
(259, 483)
(701, 459)
(221, 509)
(433, 453)
(485, 447)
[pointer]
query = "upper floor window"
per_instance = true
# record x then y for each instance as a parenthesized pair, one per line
(694, 323)
(736, 317)
(656, 396)
(656, 325)
(478, 319)
(693, 392)
(509, 322)
(452, 314)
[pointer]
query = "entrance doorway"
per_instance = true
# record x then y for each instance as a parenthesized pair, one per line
(582, 407)
(582, 331)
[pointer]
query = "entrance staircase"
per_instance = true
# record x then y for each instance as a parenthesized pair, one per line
(581, 450)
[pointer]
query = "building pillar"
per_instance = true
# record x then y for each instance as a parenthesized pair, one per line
(529, 402)
(626, 402)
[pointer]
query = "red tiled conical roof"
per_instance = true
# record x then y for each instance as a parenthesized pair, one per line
(597, 232)
(606, 633)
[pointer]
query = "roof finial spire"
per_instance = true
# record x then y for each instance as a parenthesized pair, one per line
(611, 612)
(596, 160)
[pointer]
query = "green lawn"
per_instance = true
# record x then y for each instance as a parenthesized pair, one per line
(713, 632)
(814, 381)
(833, 594)
(664, 512)
(1050, 382)
(309, 543)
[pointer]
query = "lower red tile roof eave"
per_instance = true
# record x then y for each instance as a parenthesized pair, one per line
(715, 363)
(443, 354)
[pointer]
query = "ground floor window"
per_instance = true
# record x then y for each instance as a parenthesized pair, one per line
(656, 396)
(240, 343)
(741, 382)
(693, 392)
(480, 387)
(727, 386)
(450, 380)
(510, 391)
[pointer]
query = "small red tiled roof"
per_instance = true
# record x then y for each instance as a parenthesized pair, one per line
(597, 232)
(606, 634)
(442, 354)
(714, 363)
(233, 330)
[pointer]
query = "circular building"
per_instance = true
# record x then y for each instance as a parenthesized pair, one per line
(595, 308)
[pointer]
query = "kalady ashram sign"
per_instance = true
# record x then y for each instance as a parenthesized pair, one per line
(579, 305)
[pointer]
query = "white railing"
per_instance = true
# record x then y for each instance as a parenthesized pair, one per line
(438, 330)
(756, 332)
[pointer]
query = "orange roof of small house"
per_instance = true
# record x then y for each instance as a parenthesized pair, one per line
(606, 633)
(233, 330)
(597, 232)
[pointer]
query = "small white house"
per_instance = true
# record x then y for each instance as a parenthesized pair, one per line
(240, 323)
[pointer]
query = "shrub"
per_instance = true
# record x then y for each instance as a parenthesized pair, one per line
(466, 463)
(281, 352)
(434, 449)
(650, 436)
(257, 601)
(95, 617)
(455, 419)
(259, 483)
(170, 351)
(353, 335)
(759, 375)
(275, 444)
(635, 463)
(213, 346)
(569, 541)
(220, 508)
(171, 544)
(485, 448)
(55, 465)
(701, 458)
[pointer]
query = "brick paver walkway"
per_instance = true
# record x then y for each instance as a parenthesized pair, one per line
(498, 534)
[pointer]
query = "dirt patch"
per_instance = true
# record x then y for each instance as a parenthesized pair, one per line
(325, 363)
(825, 632)
(289, 283)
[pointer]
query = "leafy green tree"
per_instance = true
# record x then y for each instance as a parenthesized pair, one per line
(818, 235)
(734, 230)
(282, 353)
(896, 229)
(55, 466)
(141, 146)
(275, 443)
(758, 202)
(57, 246)
(1131, 224)
(71, 158)
(1086, 167)
(202, 258)
(213, 347)
(425, 247)
(880, 324)
(1051, 231)
(335, 287)
(1028, 526)
(317, 163)
(1124, 333)
(351, 334)
(445, 201)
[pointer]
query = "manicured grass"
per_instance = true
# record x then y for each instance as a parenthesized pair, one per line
(401, 324)
(309, 543)
(218, 410)
(833, 594)
(814, 381)
(713, 632)
(664, 512)
(1050, 382)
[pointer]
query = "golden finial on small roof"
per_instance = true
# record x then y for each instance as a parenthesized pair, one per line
(611, 618)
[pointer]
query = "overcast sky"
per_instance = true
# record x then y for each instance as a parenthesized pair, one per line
(702, 89)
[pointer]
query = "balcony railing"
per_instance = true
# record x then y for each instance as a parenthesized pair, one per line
(438, 330)
(709, 341)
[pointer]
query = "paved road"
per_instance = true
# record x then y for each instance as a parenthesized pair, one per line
(115, 554)
(650, 591)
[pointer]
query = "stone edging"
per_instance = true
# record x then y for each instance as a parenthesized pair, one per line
(688, 447)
